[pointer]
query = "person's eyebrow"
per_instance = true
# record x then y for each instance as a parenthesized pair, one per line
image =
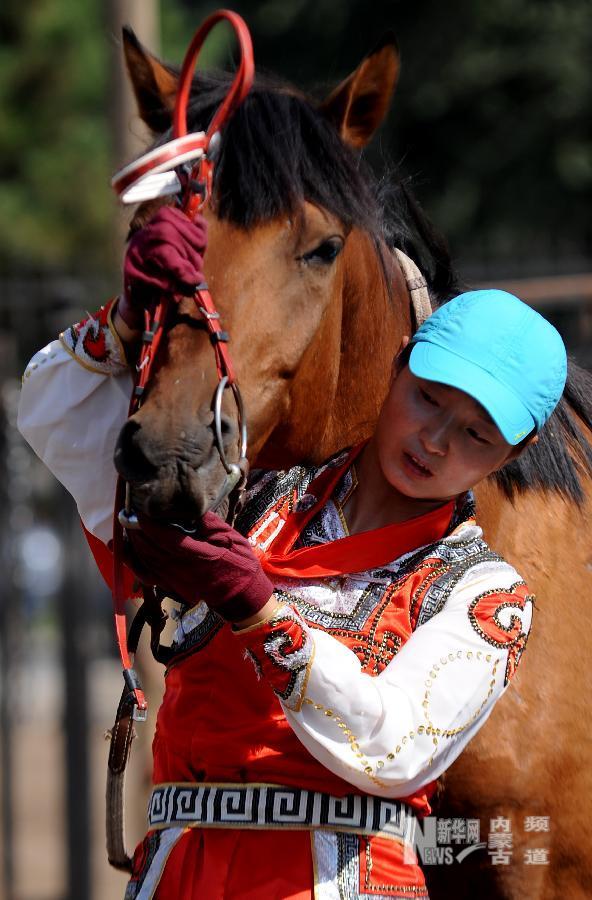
(483, 414)
(480, 410)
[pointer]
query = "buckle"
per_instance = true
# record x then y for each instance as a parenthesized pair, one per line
(140, 707)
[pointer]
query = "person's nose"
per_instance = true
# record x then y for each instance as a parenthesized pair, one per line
(435, 439)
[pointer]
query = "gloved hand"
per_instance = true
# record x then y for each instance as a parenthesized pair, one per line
(165, 256)
(216, 566)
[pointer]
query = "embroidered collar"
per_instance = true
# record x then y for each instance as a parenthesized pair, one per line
(356, 553)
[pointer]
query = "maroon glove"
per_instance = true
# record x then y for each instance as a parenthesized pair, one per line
(217, 566)
(163, 257)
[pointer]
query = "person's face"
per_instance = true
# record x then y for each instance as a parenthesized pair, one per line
(434, 441)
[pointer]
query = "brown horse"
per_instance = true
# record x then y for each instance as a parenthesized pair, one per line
(301, 267)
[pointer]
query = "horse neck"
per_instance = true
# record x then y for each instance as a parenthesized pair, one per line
(375, 316)
(345, 372)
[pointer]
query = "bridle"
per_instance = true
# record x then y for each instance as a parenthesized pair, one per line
(183, 167)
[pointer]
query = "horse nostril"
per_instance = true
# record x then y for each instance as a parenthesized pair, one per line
(129, 457)
(228, 426)
(228, 432)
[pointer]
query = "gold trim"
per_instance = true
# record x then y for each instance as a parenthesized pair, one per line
(80, 362)
(121, 363)
(266, 621)
(339, 504)
(396, 889)
(430, 729)
(352, 739)
(298, 708)
(224, 784)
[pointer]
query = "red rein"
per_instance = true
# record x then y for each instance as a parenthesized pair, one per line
(162, 160)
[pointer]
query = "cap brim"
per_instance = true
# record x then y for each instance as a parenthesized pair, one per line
(434, 363)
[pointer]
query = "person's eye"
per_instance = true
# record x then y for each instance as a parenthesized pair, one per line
(477, 437)
(428, 397)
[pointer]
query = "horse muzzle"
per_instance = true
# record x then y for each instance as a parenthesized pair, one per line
(178, 480)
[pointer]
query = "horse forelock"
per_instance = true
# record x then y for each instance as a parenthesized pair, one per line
(277, 151)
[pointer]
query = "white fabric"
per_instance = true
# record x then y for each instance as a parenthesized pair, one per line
(325, 850)
(384, 711)
(167, 839)
(71, 417)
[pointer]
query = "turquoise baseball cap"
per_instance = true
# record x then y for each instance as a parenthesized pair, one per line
(498, 350)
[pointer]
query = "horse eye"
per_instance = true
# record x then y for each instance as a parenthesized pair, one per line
(326, 253)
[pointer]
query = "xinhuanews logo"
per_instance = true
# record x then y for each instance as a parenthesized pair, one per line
(442, 842)
(446, 856)
(437, 841)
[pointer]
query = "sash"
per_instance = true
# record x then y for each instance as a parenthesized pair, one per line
(356, 553)
(277, 807)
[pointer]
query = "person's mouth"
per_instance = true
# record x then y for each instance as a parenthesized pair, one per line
(416, 465)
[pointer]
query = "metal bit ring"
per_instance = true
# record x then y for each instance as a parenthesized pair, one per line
(222, 385)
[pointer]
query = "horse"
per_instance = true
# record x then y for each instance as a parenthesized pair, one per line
(302, 268)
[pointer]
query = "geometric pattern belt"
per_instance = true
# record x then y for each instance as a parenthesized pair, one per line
(272, 806)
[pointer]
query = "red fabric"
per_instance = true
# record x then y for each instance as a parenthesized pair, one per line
(226, 864)
(104, 560)
(483, 613)
(219, 567)
(292, 641)
(219, 723)
(94, 338)
(243, 865)
(231, 727)
(357, 553)
(163, 257)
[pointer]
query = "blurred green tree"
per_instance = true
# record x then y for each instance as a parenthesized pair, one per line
(53, 156)
(55, 160)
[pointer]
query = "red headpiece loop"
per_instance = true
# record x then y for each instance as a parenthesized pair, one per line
(151, 175)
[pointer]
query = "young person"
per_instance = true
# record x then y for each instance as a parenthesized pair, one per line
(338, 649)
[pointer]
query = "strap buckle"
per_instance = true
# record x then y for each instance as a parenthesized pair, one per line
(136, 695)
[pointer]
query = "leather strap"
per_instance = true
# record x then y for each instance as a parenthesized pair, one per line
(417, 287)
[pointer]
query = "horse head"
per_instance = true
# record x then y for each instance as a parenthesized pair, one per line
(295, 260)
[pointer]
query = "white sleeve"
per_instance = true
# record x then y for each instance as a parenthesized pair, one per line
(393, 733)
(71, 417)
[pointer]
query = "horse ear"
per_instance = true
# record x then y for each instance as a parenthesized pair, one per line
(155, 85)
(359, 104)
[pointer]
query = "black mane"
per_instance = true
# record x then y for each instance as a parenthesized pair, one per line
(279, 150)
